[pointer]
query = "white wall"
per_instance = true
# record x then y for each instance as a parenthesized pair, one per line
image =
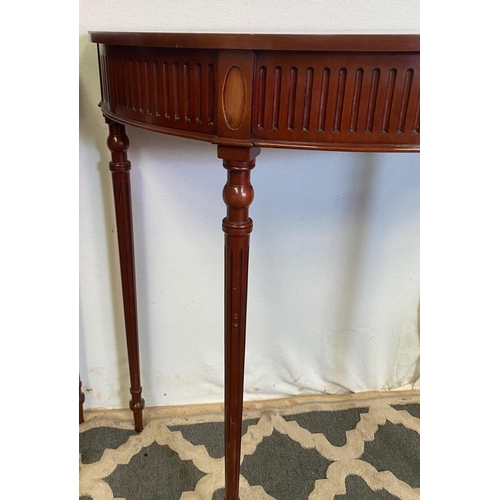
(334, 262)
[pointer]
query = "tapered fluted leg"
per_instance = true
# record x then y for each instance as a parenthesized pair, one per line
(237, 226)
(120, 167)
(82, 400)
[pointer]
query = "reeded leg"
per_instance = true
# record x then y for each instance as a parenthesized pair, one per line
(120, 167)
(82, 400)
(237, 226)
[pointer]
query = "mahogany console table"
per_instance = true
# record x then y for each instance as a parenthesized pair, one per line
(242, 92)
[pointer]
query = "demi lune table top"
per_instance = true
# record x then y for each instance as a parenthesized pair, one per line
(259, 41)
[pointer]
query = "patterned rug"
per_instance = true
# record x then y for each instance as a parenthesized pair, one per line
(349, 447)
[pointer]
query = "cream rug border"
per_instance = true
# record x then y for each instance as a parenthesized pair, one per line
(193, 414)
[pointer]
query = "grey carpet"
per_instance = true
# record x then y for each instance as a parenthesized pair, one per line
(341, 455)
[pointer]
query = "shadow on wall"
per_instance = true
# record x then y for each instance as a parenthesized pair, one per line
(355, 235)
(308, 206)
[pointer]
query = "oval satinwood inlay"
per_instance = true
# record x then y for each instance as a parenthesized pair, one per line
(234, 99)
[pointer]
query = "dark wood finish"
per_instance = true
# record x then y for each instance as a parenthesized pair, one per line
(120, 169)
(237, 226)
(241, 92)
(359, 98)
(327, 92)
(82, 400)
(160, 87)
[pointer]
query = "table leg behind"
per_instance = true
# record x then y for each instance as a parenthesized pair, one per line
(82, 400)
(120, 168)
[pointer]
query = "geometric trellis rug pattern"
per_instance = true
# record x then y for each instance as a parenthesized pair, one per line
(348, 447)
